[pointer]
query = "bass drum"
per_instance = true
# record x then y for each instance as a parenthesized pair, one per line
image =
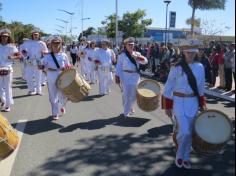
(8, 138)
(212, 130)
(148, 95)
(73, 86)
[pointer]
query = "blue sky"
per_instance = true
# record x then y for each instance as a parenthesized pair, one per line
(43, 13)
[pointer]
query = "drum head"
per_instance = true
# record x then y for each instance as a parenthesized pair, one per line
(66, 78)
(214, 127)
(149, 88)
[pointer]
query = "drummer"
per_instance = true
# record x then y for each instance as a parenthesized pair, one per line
(127, 74)
(8, 53)
(182, 97)
(54, 63)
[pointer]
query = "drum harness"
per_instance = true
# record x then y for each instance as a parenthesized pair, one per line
(133, 61)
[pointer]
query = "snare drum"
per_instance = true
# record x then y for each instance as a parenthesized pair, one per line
(8, 138)
(212, 130)
(4, 71)
(73, 86)
(148, 95)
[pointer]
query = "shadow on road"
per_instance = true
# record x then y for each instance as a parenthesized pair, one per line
(39, 126)
(102, 123)
(131, 155)
(92, 97)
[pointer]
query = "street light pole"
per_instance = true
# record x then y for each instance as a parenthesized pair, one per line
(166, 30)
(83, 24)
(117, 29)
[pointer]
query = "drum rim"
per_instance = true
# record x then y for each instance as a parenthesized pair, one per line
(64, 71)
(150, 80)
(227, 118)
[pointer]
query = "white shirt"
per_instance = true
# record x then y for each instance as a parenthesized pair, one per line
(106, 57)
(5, 51)
(124, 64)
(74, 50)
(178, 81)
(62, 60)
(92, 53)
(35, 49)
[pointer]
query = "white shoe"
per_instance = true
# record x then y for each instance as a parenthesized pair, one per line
(2, 107)
(8, 109)
(55, 117)
(187, 165)
(179, 163)
(31, 93)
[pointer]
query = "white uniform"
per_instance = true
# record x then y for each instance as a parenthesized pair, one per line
(105, 57)
(185, 109)
(129, 76)
(23, 63)
(6, 81)
(56, 97)
(34, 49)
(92, 74)
(83, 62)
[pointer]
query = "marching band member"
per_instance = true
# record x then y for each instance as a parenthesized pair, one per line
(105, 57)
(8, 53)
(92, 66)
(127, 74)
(23, 59)
(182, 97)
(54, 63)
(35, 49)
(82, 55)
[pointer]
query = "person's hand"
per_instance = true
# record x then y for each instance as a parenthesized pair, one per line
(117, 79)
(203, 108)
(68, 67)
(169, 112)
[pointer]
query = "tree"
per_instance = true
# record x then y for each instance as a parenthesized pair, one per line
(131, 24)
(87, 32)
(205, 5)
(197, 22)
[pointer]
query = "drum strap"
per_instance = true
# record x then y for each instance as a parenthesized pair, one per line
(132, 60)
(55, 60)
(191, 79)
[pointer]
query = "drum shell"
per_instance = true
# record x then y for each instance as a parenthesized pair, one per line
(8, 146)
(205, 148)
(77, 91)
(148, 104)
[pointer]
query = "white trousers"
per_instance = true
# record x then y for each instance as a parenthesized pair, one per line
(185, 111)
(129, 97)
(56, 97)
(6, 90)
(34, 78)
(104, 81)
(91, 75)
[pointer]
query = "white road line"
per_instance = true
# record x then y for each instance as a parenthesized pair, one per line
(7, 164)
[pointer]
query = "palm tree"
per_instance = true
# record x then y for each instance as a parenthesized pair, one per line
(205, 5)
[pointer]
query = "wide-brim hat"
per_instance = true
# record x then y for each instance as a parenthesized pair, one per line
(56, 39)
(35, 31)
(130, 40)
(191, 45)
(5, 32)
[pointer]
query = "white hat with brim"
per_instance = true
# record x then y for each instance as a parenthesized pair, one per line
(191, 45)
(56, 39)
(5, 32)
(35, 31)
(129, 40)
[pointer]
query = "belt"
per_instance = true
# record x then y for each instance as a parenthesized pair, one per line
(130, 71)
(183, 95)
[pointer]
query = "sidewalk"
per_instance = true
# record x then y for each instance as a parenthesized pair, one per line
(214, 92)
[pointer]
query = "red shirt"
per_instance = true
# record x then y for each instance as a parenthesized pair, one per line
(221, 57)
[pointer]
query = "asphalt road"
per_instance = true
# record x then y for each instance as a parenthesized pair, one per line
(91, 140)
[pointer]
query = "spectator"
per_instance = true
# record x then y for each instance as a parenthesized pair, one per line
(213, 59)
(221, 51)
(73, 53)
(205, 62)
(229, 57)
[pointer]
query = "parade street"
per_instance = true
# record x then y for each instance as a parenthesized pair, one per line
(92, 140)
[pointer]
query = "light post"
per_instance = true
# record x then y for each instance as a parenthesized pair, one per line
(66, 23)
(117, 23)
(167, 2)
(83, 24)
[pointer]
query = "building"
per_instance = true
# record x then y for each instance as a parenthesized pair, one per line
(158, 34)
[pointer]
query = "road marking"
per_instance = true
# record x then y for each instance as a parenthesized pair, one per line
(7, 164)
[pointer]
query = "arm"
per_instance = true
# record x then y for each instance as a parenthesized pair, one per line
(118, 69)
(201, 88)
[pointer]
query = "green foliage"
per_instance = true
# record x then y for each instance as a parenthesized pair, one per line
(19, 30)
(132, 24)
(87, 32)
(197, 22)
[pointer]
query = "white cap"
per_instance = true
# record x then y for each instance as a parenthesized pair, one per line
(191, 45)
(5, 31)
(130, 40)
(35, 31)
(56, 38)
(83, 38)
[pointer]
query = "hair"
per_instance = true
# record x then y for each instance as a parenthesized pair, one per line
(32, 36)
(60, 49)
(9, 41)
